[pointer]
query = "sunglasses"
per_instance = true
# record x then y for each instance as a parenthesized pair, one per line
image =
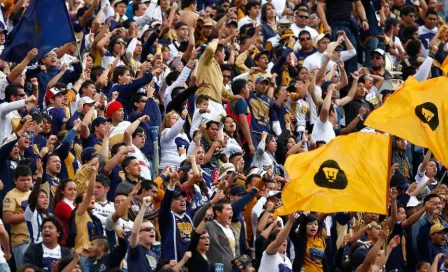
(142, 101)
(148, 229)
(377, 57)
(225, 76)
(305, 39)
(303, 17)
(338, 50)
(21, 95)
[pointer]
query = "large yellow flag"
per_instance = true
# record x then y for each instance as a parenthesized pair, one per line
(417, 112)
(349, 174)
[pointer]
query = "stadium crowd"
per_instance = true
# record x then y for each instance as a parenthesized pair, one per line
(157, 140)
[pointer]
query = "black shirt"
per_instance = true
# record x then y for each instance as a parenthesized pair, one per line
(197, 262)
(352, 110)
(339, 10)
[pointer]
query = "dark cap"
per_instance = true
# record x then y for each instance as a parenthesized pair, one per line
(233, 22)
(177, 193)
(98, 121)
(88, 154)
(325, 85)
(237, 190)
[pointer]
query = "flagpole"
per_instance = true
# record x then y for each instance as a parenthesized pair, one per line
(440, 182)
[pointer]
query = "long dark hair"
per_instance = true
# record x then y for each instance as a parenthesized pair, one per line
(59, 195)
(302, 240)
(264, 9)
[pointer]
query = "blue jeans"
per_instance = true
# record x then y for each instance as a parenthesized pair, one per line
(351, 65)
(370, 46)
(19, 252)
(85, 263)
(4, 267)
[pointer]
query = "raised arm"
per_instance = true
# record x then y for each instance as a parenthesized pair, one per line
(123, 209)
(351, 94)
(135, 235)
(281, 236)
(172, 132)
(34, 196)
(127, 137)
(191, 181)
(82, 208)
(325, 110)
(17, 71)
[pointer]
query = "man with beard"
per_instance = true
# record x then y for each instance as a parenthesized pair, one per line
(49, 251)
(379, 70)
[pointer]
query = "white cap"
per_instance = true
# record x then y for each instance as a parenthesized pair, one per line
(257, 171)
(413, 202)
(321, 36)
(274, 193)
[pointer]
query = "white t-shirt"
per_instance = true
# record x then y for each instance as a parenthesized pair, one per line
(296, 29)
(50, 256)
(197, 118)
(33, 221)
(276, 262)
(232, 147)
(323, 131)
(313, 110)
(143, 161)
(229, 233)
(102, 211)
(313, 61)
(299, 109)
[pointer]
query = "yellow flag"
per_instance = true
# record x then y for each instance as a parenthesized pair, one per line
(444, 66)
(417, 112)
(349, 174)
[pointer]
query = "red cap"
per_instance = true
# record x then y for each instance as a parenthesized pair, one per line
(53, 92)
(112, 108)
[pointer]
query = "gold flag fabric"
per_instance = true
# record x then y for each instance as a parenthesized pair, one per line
(416, 112)
(349, 174)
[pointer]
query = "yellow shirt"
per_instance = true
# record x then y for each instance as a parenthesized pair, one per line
(210, 71)
(315, 250)
(84, 230)
(13, 203)
(244, 69)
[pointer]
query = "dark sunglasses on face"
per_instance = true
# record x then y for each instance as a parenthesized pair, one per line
(305, 39)
(226, 76)
(142, 101)
(21, 95)
(377, 57)
(303, 17)
(148, 229)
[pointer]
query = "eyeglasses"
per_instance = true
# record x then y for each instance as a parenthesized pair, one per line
(142, 101)
(21, 95)
(51, 56)
(141, 135)
(313, 17)
(148, 229)
(305, 39)
(377, 57)
(303, 17)
(226, 76)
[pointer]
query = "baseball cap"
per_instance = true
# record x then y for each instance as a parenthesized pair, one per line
(208, 22)
(325, 85)
(225, 169)
(53, 92)
(321, 36)
(88, 154)
(413, 202)
(118, 2)
(155, 23)
(261, 79)
(275, 194)
(237, 190)
(256, 171)
(283, 22)
(177, 193)
(113, 108)
(287, 33)
(437, 228)
(379, 51)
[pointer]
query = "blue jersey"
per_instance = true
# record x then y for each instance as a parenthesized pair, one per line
(58, 119)
(425, 36)
(262, 109)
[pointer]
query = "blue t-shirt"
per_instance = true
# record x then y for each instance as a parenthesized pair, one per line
(58, 119)
(261, 108)
(141, 259)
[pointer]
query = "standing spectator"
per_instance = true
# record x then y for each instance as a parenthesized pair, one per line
(6, 252)
(140, 257)
(64, 204)
(172, 125)
(103, 207)
(132, 171)
(174, 224)
(302, 24)
(14, 214)
(46, 253)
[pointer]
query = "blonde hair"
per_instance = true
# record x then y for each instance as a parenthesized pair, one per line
(166, 122)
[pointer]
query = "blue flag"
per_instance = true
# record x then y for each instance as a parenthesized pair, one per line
(45, 25)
